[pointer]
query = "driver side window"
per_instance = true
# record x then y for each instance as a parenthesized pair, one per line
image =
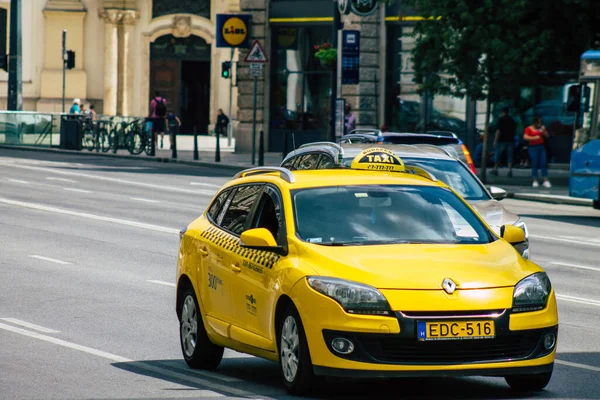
(268, 214)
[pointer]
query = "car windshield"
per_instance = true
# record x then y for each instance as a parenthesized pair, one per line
(385, 214)
(451, 172)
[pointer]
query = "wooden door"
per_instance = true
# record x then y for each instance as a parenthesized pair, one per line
(165, 77)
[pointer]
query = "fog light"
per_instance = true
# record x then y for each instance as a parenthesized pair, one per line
(342, 345)
(549, 340)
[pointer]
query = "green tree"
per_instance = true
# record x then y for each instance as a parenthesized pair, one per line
(489, 49)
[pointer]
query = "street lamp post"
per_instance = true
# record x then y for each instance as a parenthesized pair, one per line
(334, 44)
(15, 82)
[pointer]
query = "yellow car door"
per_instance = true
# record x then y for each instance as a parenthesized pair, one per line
(255, 288)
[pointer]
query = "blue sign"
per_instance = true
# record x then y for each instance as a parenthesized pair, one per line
(233, 30)
(350, 57)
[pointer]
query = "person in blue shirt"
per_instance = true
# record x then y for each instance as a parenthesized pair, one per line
(75, 107)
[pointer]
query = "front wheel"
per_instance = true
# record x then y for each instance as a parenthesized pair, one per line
(198, 351)
(529, 383)
(294, 357)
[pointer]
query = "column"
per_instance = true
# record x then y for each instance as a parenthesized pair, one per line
(130, 18)
(111, 59)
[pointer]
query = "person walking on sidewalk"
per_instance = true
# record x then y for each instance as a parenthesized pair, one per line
(536, 134)
(505, 139)
(158, 112)
(222, 123)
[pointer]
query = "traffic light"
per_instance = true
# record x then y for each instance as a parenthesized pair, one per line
(226, 69)
(70, 59)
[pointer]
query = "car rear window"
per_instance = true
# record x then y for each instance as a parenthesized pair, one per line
(418, 139)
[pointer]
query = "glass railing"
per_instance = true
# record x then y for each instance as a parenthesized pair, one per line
(29, 128)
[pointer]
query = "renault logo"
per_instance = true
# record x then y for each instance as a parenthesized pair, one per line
(449, 286)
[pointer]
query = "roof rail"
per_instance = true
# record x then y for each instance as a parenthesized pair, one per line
(284, 173)
(442, 133)
(436, 148)
(330, 144)
(421, 172)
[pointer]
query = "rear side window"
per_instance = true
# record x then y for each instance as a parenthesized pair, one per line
(237, 213)
(216, 206)
(326, 162)
(289, 164)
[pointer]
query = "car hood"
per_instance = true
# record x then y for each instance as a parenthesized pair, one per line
(422, 266)
(494, 214)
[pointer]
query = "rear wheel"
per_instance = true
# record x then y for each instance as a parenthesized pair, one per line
(529, 383)
(198, 351)
(294, 357)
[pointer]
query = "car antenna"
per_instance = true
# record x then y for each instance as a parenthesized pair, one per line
(294, 141)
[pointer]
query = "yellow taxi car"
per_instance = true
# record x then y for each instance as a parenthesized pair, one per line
(369, 272)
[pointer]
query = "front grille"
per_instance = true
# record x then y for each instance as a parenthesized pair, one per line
(396, 349)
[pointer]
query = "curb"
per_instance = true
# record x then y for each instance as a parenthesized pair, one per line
(553, 199)
(234, 168)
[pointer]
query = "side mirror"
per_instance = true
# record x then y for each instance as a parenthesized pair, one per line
(512, 234)
(260, 239)
(497, 193)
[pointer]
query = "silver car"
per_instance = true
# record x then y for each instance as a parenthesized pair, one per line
(436, 161)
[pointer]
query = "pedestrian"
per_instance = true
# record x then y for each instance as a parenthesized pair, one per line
(536, 135)
(222, 123)
(174, 124)
(75, 107)
(349, 120)
(92, 112)
(158, 113)
(83, 110)
(505, 141)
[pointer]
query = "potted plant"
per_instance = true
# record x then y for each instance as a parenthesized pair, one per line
(326, 54)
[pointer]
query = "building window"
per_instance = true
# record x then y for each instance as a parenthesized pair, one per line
(168, 7)
(300, 84)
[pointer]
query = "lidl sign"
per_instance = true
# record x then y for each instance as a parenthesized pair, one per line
(233, 30)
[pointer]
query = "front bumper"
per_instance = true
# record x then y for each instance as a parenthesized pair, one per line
(388, 346)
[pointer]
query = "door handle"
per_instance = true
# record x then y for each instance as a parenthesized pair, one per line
(203, 252)
(236, 268)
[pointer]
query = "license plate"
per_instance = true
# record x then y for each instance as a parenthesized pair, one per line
(455, 330)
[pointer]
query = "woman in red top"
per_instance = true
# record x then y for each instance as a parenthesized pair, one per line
(536, 134)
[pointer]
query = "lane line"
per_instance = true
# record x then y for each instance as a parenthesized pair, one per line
(77, 190)
(555, 239)
(579, 300)
(109, 179)
(162, 283)
(61, 179)
(29, 325)
(52, 260)
(577, 365)
(574, 266)
(133, 364)
(205, 184)
(144, 200)
(89, 216)
(207, 374)
(19, 181)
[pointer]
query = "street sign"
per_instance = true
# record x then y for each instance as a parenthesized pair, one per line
(256, 54)
(350, 57)
(256, 70)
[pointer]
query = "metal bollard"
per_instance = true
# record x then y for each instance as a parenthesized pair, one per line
(261, 149)
(196, 145)
(153, 142)
(116, 143)
(218, 148)
(97, 136)
(174, 144)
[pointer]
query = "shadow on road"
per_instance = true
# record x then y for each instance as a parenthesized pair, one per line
(591, 220)
(260, 378)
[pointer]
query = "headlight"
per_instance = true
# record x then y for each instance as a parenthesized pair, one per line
(531, 294)
(356, 298)
(521, 224)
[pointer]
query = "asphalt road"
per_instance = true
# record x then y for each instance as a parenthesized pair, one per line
(88, 249)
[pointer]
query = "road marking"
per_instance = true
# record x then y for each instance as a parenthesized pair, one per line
(109, 179)
(52, 260)
(144, 200)
(19, 181)
(574, 266)
(90, 216)
(579, 300)
(225, 378)
(205, 184)
(61, 179)
(29, 325)
(577, 365)
(133, 364)
(77, 190)
(559, 239)
(162, 283)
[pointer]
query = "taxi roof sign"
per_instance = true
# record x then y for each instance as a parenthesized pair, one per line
(378, 159)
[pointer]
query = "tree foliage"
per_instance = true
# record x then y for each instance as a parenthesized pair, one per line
(476, 47)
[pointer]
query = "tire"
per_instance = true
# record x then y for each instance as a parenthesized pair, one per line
(197, 349)
(297, 376)
(88, 139)
(528, 383)
(135, 145)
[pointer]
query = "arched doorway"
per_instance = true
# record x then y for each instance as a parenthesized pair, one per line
(180, 69)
